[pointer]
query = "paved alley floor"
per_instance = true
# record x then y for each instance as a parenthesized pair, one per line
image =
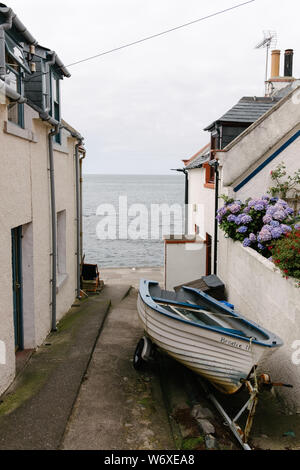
(79, 390)
(117, 407)
(132, 276)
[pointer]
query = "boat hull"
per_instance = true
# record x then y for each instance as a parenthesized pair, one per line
(222, 360)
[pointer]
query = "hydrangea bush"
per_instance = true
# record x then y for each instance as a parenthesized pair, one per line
(257, 223)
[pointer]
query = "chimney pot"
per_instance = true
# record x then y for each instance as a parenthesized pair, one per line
(288, 62)
(275, 66)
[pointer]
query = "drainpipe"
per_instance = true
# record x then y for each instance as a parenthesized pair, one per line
(81, 207)
(215, 164)
(11, 93)
(54, 132)
(78, 168)
(57, 127)
(78, 215)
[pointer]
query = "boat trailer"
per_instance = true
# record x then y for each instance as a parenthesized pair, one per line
(255, 387)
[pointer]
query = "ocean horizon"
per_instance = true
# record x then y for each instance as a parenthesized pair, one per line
(103, 192)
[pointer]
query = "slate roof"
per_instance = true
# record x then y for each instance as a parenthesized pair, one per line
(247, 110)
(197, 160)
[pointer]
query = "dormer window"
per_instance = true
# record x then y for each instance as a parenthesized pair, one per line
(14, 79)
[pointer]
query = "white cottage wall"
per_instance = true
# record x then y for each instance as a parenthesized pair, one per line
(25, 201)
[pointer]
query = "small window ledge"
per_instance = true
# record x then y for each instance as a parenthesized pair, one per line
(61, 281)
(17, 131)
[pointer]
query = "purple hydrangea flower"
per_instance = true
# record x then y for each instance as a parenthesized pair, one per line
(289, 211)
(222, 211)
(255, 201)
(286, 228)
(274, 223)
(242, 229)
(274, 199)
(271, 210)
(231, 218)
(246, 219)
(252, 237)
(279, 215)
(264, 235)
(297, 226)
(277, 232)
(267, 219)
(283, 203)
(247, 210)
(261, 247)
(238, 219)
(259, 207)
(247, 242)
(234, 208)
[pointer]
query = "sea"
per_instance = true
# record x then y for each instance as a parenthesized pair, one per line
(119, 225)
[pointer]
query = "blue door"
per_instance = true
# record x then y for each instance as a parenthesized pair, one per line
(16, 236)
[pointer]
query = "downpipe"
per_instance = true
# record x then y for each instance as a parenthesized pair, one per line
(53, 133)
(78, 215)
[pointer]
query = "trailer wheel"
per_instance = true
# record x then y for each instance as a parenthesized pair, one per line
(138, 360)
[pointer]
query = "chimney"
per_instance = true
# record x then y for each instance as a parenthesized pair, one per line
(276, 82)
(288, 63)
(275, 66)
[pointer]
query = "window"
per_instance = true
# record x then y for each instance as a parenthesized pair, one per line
(61, 245)
(14, 79)
(55, 101)
(209, 170)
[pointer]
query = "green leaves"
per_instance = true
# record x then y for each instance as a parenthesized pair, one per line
(285, 184)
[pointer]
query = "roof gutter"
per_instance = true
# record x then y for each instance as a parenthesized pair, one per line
(11, 93)
(12, 17)
(13, 20)
(4, 27)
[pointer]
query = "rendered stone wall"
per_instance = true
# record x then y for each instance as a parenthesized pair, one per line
(260, 292)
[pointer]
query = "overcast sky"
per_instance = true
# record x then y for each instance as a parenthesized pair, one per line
(143, 109)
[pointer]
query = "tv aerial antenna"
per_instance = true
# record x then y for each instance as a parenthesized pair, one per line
(270, 40)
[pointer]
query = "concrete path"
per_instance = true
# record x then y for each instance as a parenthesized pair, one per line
(35, 410)
(117, 407)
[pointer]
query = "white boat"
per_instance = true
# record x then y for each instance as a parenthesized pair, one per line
(207, 336)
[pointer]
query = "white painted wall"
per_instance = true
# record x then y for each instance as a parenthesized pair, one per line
(260, 184)
(258, 291)
(185, 262)
(25, 201)
(204, 201)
